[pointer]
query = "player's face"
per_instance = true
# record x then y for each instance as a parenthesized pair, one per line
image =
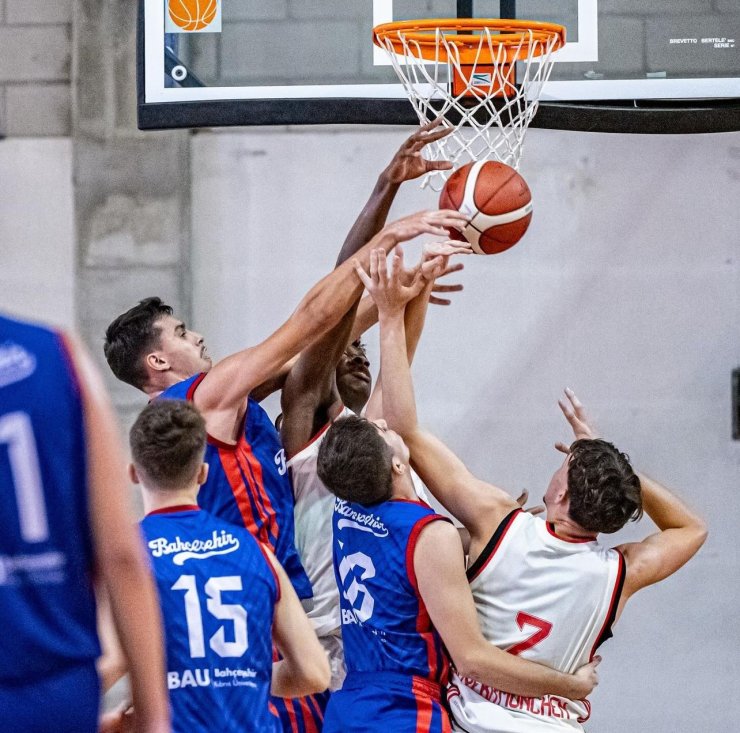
(558, 485)
(184, 349)
(353, 376)
(394, 441)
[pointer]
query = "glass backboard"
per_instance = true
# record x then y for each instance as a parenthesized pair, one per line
(628, 66)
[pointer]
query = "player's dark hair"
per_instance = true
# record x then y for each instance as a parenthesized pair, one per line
(355, 462)
(168, 440)
(130, 336)
(603, 489)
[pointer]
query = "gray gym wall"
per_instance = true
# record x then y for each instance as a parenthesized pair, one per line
(626, 287)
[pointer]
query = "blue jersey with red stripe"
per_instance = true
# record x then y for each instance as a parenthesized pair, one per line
(385, 625)
(46, 598)
(218, 592)
(248, 484)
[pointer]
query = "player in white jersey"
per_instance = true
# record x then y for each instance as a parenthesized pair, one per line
(332, 379)
(545, 590)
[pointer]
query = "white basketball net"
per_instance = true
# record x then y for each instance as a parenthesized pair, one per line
(497, 123)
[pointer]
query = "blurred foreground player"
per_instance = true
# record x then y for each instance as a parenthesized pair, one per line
(543, 590)
(65, 524)
(224, 597)
(404, 597)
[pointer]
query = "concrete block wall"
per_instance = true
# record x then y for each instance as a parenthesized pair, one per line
(35, 63)
(132, 189)
(37, 233)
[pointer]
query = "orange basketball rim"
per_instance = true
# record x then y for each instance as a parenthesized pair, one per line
(517, 38)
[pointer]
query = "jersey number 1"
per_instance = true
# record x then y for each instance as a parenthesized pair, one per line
(16, 430)
(543, 631)
(226, 611)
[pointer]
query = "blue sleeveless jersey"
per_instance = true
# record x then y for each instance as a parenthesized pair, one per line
(46, 600)
(248, 484)
(218, 593)
(395, 659)
(385, 625)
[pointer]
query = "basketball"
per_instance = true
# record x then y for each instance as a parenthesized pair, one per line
(192, 15)
(496, 198)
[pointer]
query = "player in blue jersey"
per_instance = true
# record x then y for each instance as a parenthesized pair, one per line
(248, 484)
(404, 595)
(65, 523)
(223, 595)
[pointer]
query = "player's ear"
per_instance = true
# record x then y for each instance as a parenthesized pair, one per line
(202, 474)
(561, 495)
(157, 362)
(132, 474)
(397, 466)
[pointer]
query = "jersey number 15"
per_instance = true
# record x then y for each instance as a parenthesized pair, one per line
(225, 611)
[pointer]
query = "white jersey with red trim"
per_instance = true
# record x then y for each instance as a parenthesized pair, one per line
(548, 599)
(314, 509)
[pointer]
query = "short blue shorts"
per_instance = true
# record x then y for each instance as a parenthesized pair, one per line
(381, 702)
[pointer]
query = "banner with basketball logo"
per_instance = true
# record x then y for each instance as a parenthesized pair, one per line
(192, 16)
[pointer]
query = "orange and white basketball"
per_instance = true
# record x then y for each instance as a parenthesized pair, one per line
(192, 15)
(497, 200)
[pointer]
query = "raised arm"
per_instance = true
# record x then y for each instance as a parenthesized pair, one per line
(120, 559)
(435, 264)
(439, 565)
(407, 163)
(367, 312)
(478, 505)
(682, 531)
(304, 668)
(226, 386)
(310, 392)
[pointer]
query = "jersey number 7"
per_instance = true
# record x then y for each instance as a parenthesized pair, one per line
(543, 631)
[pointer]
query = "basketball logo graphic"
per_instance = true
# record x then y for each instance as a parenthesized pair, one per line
(193, 15)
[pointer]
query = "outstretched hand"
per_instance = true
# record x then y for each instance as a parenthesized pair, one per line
(436, 255)
(408, 162)
(444, 268)
(426, 222)
(575, 414)
(390, 290)
(446, 249)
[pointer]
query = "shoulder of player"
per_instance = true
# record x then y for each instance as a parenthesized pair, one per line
(434, 532)
(638, 559)
(493, 508)
(305, 423)
(434, 550)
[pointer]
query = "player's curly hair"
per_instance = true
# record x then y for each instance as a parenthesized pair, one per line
(130, 336)
(355, 463)
(168, 441)
(603, 489)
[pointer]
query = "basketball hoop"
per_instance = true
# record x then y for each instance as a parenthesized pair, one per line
(485, 74)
